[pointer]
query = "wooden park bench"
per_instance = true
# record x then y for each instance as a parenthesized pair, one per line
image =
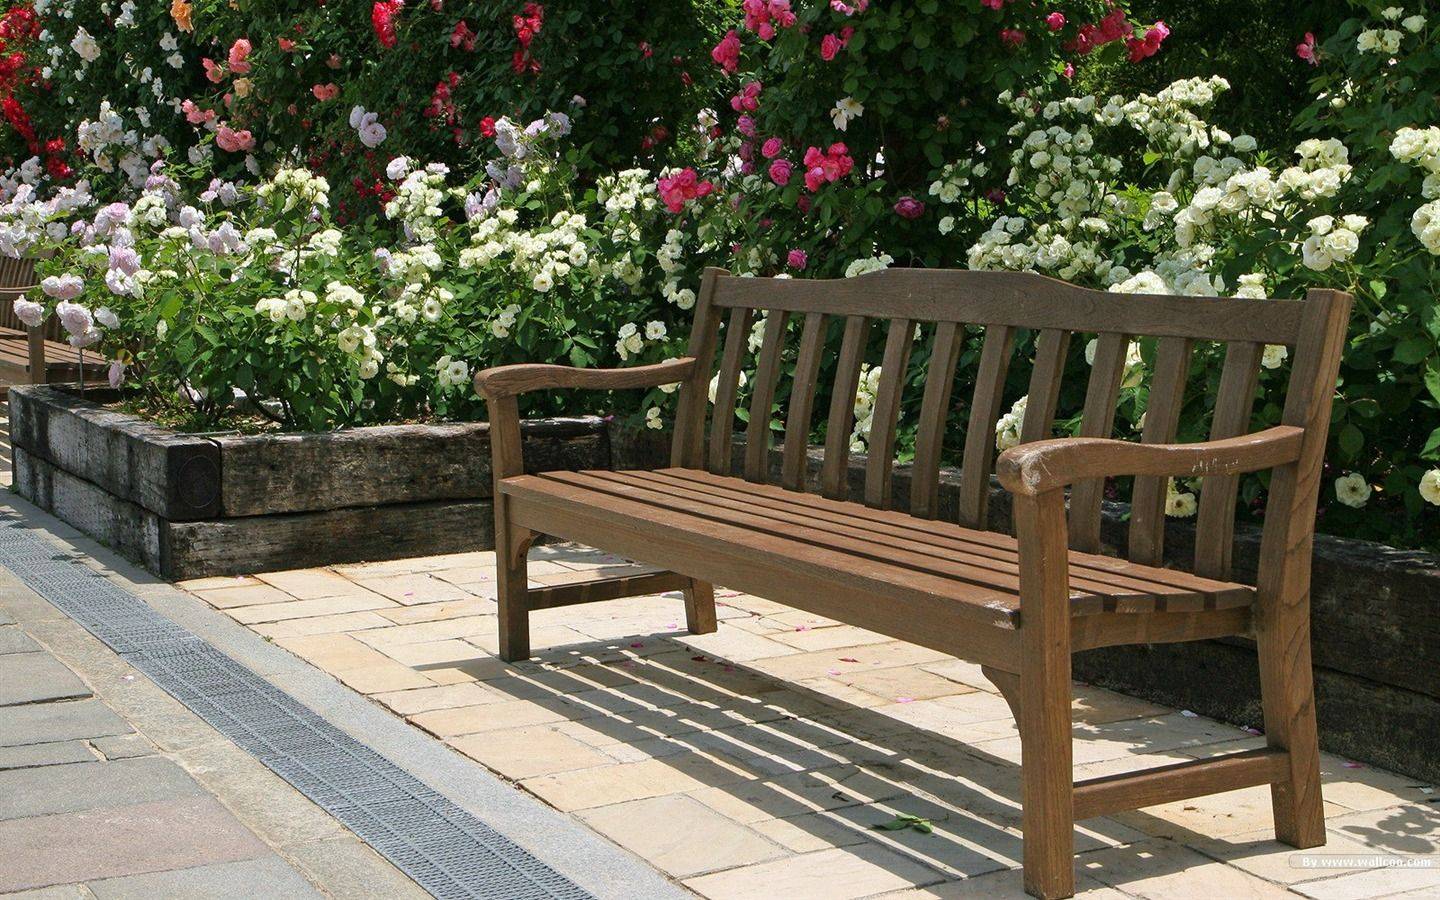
(1019, 606)
(36, 355)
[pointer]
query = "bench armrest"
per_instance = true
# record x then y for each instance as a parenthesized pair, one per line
(510, 381)
(1042, 466)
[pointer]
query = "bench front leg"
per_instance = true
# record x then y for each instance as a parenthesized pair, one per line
(1043, 715)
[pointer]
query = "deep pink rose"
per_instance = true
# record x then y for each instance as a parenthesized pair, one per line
(780, 171)
(796, 259)
(771, 148)
(909, 208)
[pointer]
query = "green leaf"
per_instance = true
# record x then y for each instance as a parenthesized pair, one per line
(1412, 350)
(1431, 449)
(1432, 378)
(1352, 441)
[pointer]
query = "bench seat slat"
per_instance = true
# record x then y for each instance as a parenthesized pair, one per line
(835, 540)
(985, 546)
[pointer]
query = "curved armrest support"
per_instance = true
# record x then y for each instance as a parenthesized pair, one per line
(1043, 466)
(510, 381)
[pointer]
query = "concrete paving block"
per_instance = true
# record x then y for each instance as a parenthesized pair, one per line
(64, 789)
(125, 746)
(47, 722)
(52, 754)
(112, 841)
(352, 871)
(13, 640)
(268, 877)
(36, 678)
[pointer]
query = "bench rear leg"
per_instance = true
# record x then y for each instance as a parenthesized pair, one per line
(700, 607)
(1287, 691)
(512, 544)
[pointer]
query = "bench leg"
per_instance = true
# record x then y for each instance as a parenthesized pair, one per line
(1046, 776)
(1046, 773)
(700, 607)
(1287, 693)
(512, 544)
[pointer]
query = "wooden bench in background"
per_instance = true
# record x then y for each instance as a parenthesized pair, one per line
(1019, 606)
(36, 355)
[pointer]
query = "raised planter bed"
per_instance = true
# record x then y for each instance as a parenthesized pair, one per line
(189, 506)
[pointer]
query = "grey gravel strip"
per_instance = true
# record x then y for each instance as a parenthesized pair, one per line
(442, 847)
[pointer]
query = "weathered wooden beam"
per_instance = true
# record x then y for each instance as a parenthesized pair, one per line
(376, 466)
(176, 476)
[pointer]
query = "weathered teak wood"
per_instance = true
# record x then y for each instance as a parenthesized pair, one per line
(1180, 781)
(802, 401)
(1235, 400)
(1282, 618)
(980, 433)
(834, 473)
(1162, 413)
(1019, 606)
(762, 398)
(1044, 395)
(934, 412)
(1097, 421)
(880, 452)
(722, 424)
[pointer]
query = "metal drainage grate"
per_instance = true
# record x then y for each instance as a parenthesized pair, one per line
(440, 846)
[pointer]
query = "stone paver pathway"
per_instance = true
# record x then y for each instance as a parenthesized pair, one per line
(109, 788)
(766, 760)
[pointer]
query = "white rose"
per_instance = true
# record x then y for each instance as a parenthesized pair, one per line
(1352, 489)
(1430, 486)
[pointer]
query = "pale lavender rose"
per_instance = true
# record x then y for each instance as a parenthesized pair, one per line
(74, 317)
(106, 316)
(116, 375)
(63, 287)
(29, 312)
(125, 260)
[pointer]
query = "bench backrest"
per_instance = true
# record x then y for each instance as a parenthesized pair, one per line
(1002, 304)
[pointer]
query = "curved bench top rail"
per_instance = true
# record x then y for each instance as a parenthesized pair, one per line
(1018, 299)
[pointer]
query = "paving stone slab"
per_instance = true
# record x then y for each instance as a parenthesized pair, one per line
(111, 841)
(267, 877)
(52, 754)
(36, 678)
(125, 746)
(13, 640)
(40, 723)
(67, 789)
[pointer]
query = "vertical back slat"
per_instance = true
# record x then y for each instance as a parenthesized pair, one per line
(762, 398)
(1234, 403)
(934, 411)
(687, 448)
(722, 421)
(980, 433)
(1050, 352)
(834, 474)
(880, 453)
(1162, 413)
(802, 402)
(1097, 420)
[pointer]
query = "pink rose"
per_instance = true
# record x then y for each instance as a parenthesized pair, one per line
(727, 53)
(1055, 21)
(213, 72)
(829, 46)
(909, 208)
(232, 141)
(796, 259)
(325, 92)
(771, 148)
(780, 171)
(239, 56)
(195, 115)
(746, 126)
